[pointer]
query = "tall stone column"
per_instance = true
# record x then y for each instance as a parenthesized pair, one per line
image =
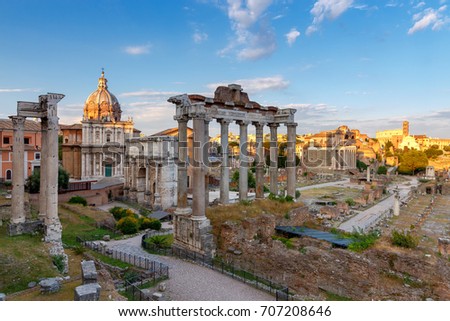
(182, 186)
(243, 160)
(43, 171)
(53, 225)
(224, 168)
(206, 161)
(147, 184)
(259, 160)
(198, 192)
(273, 169)
(18, 179)
(290, 162)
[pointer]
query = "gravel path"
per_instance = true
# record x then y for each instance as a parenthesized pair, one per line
(191, 282)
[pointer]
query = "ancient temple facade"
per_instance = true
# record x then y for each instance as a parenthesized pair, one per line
(103, 134)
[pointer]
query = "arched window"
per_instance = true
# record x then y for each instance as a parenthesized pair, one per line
(8, 174)
(108, 138)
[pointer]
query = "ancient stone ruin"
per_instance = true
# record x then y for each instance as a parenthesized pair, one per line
(230, 104)
(46, 110)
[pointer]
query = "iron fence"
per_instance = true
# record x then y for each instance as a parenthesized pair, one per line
(280, 292)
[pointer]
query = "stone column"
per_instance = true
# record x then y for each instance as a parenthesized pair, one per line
(43, 171)
(290, 162)
(182, 203)
(18, 179)
(53, 225)
(206, 161)
(243, 160)
(198, 184)
(147, 183)
(396, 203)
(368, 173)
(259, 160)
(273, 169)
(224, 169)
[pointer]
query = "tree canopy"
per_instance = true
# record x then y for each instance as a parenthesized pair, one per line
(411, 161)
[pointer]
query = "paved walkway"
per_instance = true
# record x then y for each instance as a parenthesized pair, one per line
(191, 282)
(338, 183)
(369, 217)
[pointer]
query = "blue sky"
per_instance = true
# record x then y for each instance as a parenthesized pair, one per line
(366, 64)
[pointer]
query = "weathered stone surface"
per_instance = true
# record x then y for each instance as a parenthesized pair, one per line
(50, 285)
(27, 227)
(106, 238)
(31, 285)
(2, 297)
(162, 287)
(87, 292)
(444, 246)
(88, 272)
(157, 296)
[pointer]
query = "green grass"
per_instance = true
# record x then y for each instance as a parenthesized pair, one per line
(75, 224)
(23, 259)
(330, 296)
(110, 260)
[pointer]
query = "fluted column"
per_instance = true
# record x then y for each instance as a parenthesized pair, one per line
(224, 169)
(259, 160)
(290, 162)
(18, 179)
(182, 186)
(243, 160)
(198, 184)
(43, 170)
(273, 169)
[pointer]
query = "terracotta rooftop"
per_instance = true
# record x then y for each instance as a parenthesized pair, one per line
(30, 125)
(73, 126)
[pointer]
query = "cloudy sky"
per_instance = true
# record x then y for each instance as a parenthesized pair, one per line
(364, 63)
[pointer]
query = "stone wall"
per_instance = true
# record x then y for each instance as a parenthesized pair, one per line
(313, 267)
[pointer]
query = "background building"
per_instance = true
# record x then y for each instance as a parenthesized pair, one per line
(32, 155)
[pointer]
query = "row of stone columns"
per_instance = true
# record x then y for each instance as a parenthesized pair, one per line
(200, 162)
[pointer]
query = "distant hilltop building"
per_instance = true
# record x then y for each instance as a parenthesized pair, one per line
(402, 139)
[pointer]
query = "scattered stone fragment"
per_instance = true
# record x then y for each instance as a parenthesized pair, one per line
(2, 297)
(50, 285)
(162, 287)
(157, 296)
(31, 285)
(87, 292)
(88, 272)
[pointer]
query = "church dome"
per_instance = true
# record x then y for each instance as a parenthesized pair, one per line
(102, 105)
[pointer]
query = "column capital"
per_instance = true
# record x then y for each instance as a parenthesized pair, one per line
(181, 119)
(273, 125)
(18, 121)
(224, 121)
(291, 124)
(198, 116)
(242, 122)
(258, 124)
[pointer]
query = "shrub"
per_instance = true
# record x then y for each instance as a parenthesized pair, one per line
(58, 261)
(159, 241)
(79, 249)
(78, 200)
(287, 242)
(350, 202)
(120, 212)
(150, 223)
(281, 199)
(382, 170)
(362, 241)
(404, 239)
(297, 194)
(128, 225)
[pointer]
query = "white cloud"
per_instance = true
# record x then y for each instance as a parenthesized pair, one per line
(199, 37)
(18, 90)
(138, 50)
(148, 93)
(256, 84)
(327, 9)
(434, 18)
(254, 38)
(419, 5)
(291, 36)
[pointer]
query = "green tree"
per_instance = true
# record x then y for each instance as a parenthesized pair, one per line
(361, 165)
(411, 161)
(433, 152)
(382, 170)
(447, 148)
(251, 179)
(34, 180)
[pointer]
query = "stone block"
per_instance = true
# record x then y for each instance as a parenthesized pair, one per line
(106, 238)
(87, 292)
(157, 296)
(50, 285)
(162, 287)
(2, 297)
(88, 272)
(31, 285)
(28, 227)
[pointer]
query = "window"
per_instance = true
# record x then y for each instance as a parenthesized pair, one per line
(108, 138)
(8, 175)
(26, 141)
(37, 155)
(6, 140)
